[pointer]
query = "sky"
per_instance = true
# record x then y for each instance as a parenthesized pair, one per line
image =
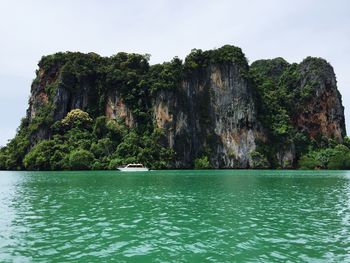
(265, 29)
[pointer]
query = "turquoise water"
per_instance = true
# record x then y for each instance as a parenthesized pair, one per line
(175, 216)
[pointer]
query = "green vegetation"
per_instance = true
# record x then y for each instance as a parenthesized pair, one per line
(276, 81)
(329, 158)
(202, 163)
(12, 155)
(199, 59)
(282, 94)
(80, 159)
(259, 160)
(79, 143)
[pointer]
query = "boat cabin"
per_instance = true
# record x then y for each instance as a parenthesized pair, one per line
(134, 165)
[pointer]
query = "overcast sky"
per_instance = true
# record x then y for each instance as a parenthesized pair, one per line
(293, 30)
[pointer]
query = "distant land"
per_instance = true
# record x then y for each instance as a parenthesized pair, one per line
(212, 110)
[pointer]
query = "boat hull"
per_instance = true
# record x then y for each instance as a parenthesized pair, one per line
(134, 169)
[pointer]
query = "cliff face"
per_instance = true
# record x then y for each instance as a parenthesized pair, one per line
(61, 98)
(300, 104)
(216, 117)
(117, 109)
(215, 109)
(323, 113)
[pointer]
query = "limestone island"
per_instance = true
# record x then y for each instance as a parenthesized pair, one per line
(212, 110)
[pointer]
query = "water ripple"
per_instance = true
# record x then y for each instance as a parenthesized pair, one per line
(186, 216)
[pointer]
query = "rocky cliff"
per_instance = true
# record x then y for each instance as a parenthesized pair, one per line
(217, 117)
(213, 105)
(300, 106)
(323, 113)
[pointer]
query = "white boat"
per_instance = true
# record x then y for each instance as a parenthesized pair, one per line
(133, 167)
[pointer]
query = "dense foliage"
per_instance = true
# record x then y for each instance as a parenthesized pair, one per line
(78, 143)
(202, 163)
(335, 158)
(199, 59)
(259, 160)
(283, 89)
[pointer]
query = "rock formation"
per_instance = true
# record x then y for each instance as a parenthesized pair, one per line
(213, 109)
